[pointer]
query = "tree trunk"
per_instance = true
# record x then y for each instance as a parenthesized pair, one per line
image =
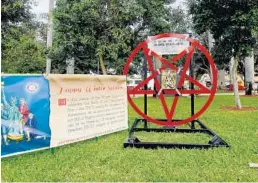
(237, 98)
(70, 66)
(221, 79)
(249, 74)
(102, 65)
(231, 70)
(50, 33)
(210, 47)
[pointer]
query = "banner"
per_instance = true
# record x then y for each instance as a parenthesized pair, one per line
(83, 107)
(40, 112)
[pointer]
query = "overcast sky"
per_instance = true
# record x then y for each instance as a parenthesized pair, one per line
(42, 7)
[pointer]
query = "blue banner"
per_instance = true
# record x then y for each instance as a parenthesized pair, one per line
(25, 111)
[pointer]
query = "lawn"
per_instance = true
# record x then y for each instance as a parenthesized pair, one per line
(105, 159)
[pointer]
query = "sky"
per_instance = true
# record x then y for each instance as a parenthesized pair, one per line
(42, 7)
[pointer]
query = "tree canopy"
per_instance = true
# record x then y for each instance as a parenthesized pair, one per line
(232, 23)
(90, 30)
(22, 52)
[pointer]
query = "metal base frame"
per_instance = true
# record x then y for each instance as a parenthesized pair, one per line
(133, 141)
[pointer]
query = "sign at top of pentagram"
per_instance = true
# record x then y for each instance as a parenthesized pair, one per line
(167, 45)
(185, 53)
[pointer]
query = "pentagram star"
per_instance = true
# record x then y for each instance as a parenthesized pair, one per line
(166, 64)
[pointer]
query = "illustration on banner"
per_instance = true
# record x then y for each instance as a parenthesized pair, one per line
(24, 114)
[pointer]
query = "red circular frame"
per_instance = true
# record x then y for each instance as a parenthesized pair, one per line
(195, 43)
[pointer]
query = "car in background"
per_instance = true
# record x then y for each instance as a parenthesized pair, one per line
(240, 82)
(206, 80)
(132, 83)
(134, 80)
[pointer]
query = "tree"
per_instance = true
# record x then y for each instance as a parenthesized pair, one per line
(14, 11)
(21, 52)
(93, 31)
(256, 60)
(88, 31)
(232, 24)
(249, 73)
(249, 62)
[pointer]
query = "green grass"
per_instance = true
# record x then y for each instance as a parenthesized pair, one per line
(107, 160)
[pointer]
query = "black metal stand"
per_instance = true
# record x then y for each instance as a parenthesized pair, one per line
(133, 141)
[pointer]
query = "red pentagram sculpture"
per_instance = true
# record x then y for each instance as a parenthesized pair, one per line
(169, 111)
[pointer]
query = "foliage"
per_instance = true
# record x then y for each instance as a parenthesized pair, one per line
(105, 159)
(256, 55)
(90, 29)
(232, 24)
(256, 63)
(21, 51)
(14, 11)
